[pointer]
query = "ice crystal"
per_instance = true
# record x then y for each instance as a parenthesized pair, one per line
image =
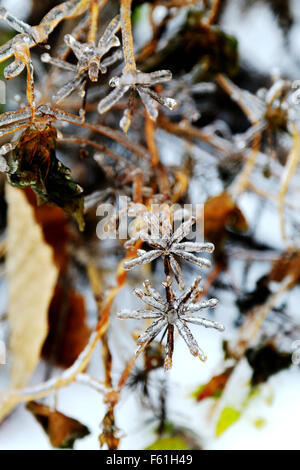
(185, 89)
(90, 60)
(268, 109)
(30, 36)
(170, 313)
(164, 242)
(90, 56)
(141, 82)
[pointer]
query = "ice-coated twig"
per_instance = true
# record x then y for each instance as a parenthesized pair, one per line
(30, 36)
(172, 313)
(133, 79)
(127, 39)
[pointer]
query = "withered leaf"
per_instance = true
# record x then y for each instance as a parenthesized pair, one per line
(266, 360)
(56, 229)
(33, 163)
(32, 276)
(109, 431)
(61, 429)
(68, 330)
(215, 387)
(221, 212)
(287, 265)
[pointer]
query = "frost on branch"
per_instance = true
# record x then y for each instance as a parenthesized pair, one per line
(30, 36)
(170, 313)
(33, 35)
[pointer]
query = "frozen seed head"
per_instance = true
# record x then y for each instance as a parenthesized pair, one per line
(141, 82)
(169, 313)
(163, 241)
(90, 61)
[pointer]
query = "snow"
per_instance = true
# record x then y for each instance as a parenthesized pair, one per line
(261, 41)
(262, 45)
(20, 9)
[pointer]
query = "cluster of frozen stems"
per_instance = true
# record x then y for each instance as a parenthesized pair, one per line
(173, 311)
(94, 58)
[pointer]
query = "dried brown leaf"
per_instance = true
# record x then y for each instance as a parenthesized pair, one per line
(61, 429)
(32, 276)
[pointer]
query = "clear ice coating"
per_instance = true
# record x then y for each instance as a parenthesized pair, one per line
(89, 55)
(169, 313)
(30, 36)
(164, 242)
(90, 60)
(14, 116)
(141, 82)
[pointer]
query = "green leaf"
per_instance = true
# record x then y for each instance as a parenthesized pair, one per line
(227, 418)
(33, 163)
(198, 391)
(168, 443)
(259, 423)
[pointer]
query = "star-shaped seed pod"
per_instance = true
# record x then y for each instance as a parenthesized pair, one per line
(164, 242)
(90, 60)
(90, 56)
(141, 82)
(171, 313)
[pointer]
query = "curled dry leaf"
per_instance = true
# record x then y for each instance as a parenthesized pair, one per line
(68, 330)
(214, 388)
(220, 212)
(61, 429)
(287, 265)
(32, 276)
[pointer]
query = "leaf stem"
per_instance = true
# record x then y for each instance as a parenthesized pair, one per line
(128, 49)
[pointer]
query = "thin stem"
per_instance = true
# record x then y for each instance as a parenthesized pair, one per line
(242, 180)
(150, 139)
(100, 147)
(137, 149)
(127, 39)
(170, 347)
(289, 169)
(213, 14)
(93, 26)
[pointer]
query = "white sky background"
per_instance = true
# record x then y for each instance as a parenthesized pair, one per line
(261, 41)
(261, 44)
